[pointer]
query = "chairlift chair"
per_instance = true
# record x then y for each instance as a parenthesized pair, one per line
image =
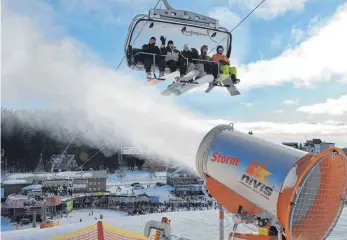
(183, 27)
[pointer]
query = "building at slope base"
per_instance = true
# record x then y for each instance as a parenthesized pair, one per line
(314, 146)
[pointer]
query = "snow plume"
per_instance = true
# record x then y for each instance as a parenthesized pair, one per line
(100, 105)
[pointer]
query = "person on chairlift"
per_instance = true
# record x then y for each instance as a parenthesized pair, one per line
(172, 55)
(148, 59)
(191, 54)
(224, 62)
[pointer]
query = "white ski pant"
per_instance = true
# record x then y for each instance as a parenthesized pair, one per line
(197, 66)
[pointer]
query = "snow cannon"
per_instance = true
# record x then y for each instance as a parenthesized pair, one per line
(285, 192)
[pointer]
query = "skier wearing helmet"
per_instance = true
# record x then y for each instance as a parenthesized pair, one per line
(224, 61)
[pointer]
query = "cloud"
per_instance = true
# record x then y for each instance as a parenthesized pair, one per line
(279, 111)
(297, 35)
(103, 106)
(299, 131)
(270, 8)
(291, 102)
(315, 60)
(247, 104)
(106, 11)
(313, 28)
(81, 13)
(334, 107)
(226, 17)
(229, 19)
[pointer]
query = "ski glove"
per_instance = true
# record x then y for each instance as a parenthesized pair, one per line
(163, 40)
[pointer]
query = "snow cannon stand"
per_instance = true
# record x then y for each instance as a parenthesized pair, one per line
(163, 228)
(286, 193)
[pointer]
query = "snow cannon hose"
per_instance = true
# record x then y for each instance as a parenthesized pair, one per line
(281, 188)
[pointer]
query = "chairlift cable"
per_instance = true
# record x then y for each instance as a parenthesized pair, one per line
(91, 158)
(120, 63)
(240, 22)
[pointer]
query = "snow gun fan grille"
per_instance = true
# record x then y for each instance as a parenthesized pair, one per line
(319, 199)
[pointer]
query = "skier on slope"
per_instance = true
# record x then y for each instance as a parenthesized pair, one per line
(224, 62)
(148, 59)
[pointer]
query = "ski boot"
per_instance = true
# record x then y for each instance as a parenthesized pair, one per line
(233, 78)
(161, 73)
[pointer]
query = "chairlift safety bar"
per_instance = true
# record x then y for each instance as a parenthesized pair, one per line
(194, 59)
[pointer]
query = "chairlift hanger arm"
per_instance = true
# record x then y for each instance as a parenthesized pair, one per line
(182, 16)
(167, 5)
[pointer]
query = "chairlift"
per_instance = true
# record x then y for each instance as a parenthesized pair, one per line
(180, 26)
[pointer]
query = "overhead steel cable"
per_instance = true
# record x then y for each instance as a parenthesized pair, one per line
(239, 24)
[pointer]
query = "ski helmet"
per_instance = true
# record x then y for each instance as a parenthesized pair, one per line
(220, 47)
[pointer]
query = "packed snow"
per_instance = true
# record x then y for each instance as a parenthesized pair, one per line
(193, 225)
(189, 224)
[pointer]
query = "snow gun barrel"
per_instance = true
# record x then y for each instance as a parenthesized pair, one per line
(298, 191)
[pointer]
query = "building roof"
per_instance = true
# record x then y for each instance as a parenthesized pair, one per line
(182, 169)
(61, 161)
(29, 178)
(32, 187)
(131, 196)
(14, 181)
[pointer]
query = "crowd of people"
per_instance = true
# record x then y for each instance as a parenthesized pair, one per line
(142, 208)
(60, 190)
(186, 60)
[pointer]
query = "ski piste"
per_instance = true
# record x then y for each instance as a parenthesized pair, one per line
(201, 81)
(184, 80)
(227, 83)
(152, 81)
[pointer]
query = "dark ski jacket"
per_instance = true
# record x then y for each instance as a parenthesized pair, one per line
(148, 48)
(207, 58)
(171, 54)
(191, 55)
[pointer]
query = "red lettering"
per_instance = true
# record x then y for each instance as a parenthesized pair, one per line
(234, 161)
(214, 156)
(220, 158)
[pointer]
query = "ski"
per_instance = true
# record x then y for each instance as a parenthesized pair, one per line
(201, 81)
(186, 79)
(227, 83)
(230, 86)
(152, 81)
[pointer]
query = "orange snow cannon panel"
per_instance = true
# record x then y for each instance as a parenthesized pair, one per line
(301, 191)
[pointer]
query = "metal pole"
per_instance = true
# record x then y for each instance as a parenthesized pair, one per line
(44, 212)
(34, 219)
(221, 222)
(280, 233)
(167, 5)
(154, 67)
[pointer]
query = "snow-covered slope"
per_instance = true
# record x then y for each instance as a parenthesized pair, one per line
(193, 225)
